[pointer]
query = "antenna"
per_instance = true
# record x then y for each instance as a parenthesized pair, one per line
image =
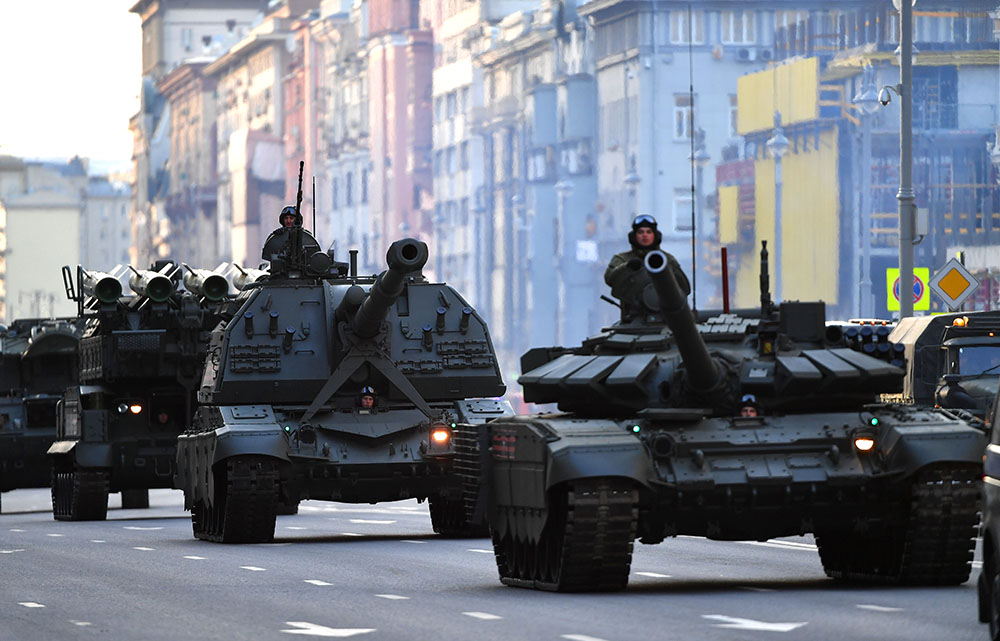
(298, 197)
(314, 205)
(694, 260)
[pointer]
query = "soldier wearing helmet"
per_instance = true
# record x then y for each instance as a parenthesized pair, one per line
(288, 219)
(367, 398)
(625, 274)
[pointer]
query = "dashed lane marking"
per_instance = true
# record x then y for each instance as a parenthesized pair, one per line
(485, 616)
(480, 551)
(252, 568)
(350, 534)
(295, 527)
(98, 541)
(879, 608)
(136, 527)
(195, 558)
(977, 564)
(18, 530)
(11, 551)
(317, 582)
(315, 630)
(31, 604)
(392, 597)
(371, 521)
(142, 549)
(735, 623)
(781, 545)
(54, 535)
(580, 637)
(412, 541)
(753, 589)
(80, 623)
(654, 575)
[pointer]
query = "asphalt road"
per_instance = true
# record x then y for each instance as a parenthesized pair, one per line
(378, 572)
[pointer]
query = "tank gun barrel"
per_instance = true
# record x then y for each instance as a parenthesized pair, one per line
(403, 257)
(150, 284)
(702, 372)
(101, 286)
(206, 283)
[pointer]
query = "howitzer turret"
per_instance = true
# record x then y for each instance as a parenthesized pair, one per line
(153, 285)
(101, 286)
(206, 284)
(403, 257)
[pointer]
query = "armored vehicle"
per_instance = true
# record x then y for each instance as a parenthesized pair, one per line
(323, 384)
(141, 360)
(37, 362)
(741, 426)
(952, 360)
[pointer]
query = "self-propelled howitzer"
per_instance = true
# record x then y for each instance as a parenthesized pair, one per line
(741, 426)
(323, 384)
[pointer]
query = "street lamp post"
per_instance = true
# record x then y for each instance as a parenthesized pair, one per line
(777, 144)
(700, 159)
(905, 195)
(563, 190)
(867, 102)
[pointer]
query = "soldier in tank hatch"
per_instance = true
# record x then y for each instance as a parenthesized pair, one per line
(625, 274)
(367, 398)
(288, 219)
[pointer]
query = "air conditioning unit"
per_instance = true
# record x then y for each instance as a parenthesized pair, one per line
(766, 54)
(746, 54)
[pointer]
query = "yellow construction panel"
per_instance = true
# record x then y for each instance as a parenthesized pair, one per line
(792, 89)
(810, 244)
(729, 212)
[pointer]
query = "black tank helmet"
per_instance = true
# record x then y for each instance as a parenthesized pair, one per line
(645, 220)
(290, 210)
(368, 390)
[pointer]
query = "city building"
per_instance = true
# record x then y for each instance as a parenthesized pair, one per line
(105, 229)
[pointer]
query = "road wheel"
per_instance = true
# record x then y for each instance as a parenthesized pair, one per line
(79, 493)
(585, 545)
(135, 499)
(244, 504)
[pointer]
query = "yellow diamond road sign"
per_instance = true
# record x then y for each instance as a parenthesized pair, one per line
(953, 283)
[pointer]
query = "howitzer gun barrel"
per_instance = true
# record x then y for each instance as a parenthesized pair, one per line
(101, 286)
(702, 372)
(152, 285)
(403, 257)
(206, 283)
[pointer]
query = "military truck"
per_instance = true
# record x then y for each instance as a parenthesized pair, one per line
(953, 360)
(141, 359)
(747, 425)
(37, 362)
(282, 414)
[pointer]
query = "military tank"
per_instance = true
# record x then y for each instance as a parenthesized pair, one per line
(37, 362)
(140, 363)
(747, 425)
(282, 414)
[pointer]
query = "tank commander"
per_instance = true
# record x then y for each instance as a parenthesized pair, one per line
(288, 219)
(748, 406)
(625, 274)
(366, 400)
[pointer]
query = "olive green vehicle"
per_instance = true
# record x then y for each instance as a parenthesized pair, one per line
(280, 415)
(651, 444)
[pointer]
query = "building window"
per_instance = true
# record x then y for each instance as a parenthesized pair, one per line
(682, 209)
(452, 105)
(734, 113)
(738, 27)
(464, 156)
(464, 212)
(682, 116)
(349, 189)
(683, 23)
(364, 185)
(336, 193)
(451, 160)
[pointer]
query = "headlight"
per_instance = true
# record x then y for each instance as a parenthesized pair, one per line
(864, 442)
(440, 436)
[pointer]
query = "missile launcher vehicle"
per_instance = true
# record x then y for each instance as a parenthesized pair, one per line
(140, 363)
(323, 384)
(748, 425)
(37, 362)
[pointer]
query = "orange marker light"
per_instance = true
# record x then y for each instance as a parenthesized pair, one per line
(135, 409)
(958, 322)
(864, 443)
(440, 435)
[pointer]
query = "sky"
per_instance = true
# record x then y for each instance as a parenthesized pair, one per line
(70, 74)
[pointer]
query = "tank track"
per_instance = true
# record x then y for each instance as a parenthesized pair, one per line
(586, 544)
(245, 505)
(79, 494)
(935, 547)
(464, 516)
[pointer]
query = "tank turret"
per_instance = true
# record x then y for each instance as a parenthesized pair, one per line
(403, 257)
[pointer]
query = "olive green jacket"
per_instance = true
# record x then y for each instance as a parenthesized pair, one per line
(618, 274)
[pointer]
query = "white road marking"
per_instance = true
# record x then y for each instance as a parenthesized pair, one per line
(136, 527)
(142, 549)
(195, 558)
(753, 589)
(315, 630)
(11, 551)
(350, 534)
(252, 568)
(392, 597)
(480, 550)
(580, 637)
(295, 527)
(53, 535)
(97, 541)
(310, 508)
(371, 521)
(31, 604)
(80, 623)
(654, 575)
(317, 582)
(412, 541)
(18, 530)
(879, 608)
(781, 545)
(485, 616)
(734, 623)
(404, 507)
(977, 564)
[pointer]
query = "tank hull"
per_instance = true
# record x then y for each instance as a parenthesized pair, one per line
(736, 479)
